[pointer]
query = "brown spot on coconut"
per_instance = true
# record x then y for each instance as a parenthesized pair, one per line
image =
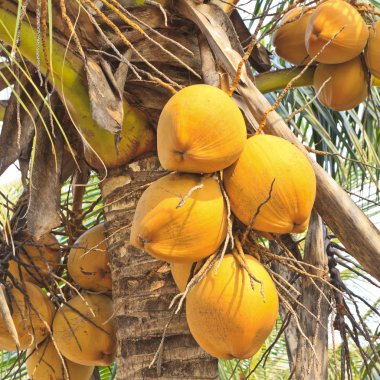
(200, 130)
(180, 218)
(340, 21)
(271, 184)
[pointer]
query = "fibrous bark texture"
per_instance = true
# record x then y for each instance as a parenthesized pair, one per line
(312, 363)
(143, 289)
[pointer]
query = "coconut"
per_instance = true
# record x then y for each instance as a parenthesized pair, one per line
(372, 51)
(271, 167)
(38, 257)
(31, 317)
(180, 217)
(181, 273)
(88, 263)
(45, 363)
(340, 21)
(226, 316)
(200, 130)
(289, 38)
(84, 331)
(347, 86)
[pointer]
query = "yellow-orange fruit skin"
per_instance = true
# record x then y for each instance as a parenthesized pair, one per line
(92, 344)
(200, 130)
(180, 234)
(340, 19)
(31, 322)
(88, 262)
(248, 182)
(226, 316)
(347, 86)
(181, 273)
(372, 50)
(42, 254)
(289, 38)
(44, 363)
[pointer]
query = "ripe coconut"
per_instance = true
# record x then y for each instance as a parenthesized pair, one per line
(38, 258)
(289, 38)
(180, 217)
(200, 130)
(88, 263)
(31, 317)
(181, 273)
(339, 20)
(84, 331)
(226, 316)
(270, 161)
(44, 363)
(372, 51)
(347, 86)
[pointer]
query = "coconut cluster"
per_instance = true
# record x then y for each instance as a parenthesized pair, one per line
(66, 343)
(182, 218)
(345, 49)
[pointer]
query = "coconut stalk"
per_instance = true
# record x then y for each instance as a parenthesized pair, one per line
(70, 82)
(358, 234)
(2, 110)
(142, 289)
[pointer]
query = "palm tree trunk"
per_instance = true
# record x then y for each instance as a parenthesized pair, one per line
(143, 289)
(312, 362)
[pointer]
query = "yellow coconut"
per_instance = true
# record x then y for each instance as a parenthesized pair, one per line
(180, 217)
(270, 161)
(289, 38)
(88, 263)
(84, 331)
(200, 130)
(226, 316)
(31, 318)
(45, 363)
(372, 51)
(181, 273)
(37, 258)
(339, 20)
(347, 86)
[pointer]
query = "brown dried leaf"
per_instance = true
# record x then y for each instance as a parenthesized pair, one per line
(44, 204)
(13, 142)
(105, 97)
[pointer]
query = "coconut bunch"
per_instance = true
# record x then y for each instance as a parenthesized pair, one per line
(66, 343)
(82, 328)
(182, 218)
(345, 49)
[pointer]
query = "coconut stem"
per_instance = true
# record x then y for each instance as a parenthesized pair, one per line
(277, 80)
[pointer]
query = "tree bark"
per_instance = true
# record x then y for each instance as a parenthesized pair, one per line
(309, 364)
(291, 330)
(143, 288)
(332, 202)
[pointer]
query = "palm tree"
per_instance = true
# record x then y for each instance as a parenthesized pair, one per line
(89, 80)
